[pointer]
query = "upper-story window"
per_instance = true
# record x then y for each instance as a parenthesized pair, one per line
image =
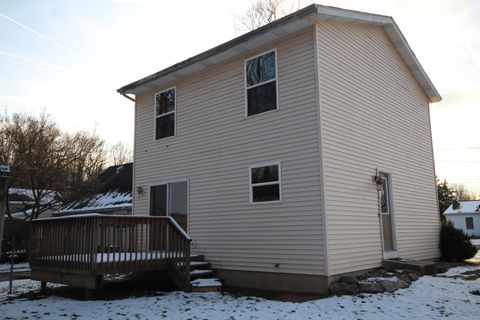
(165, 113)
(261, 83)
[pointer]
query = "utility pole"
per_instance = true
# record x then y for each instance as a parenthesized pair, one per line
(4, 176)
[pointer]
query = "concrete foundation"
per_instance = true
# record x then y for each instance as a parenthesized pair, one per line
(272, 281)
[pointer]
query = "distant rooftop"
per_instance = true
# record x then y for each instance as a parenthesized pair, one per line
(114, 192)
(472, 207)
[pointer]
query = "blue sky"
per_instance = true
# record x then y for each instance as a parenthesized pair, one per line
(69, 57)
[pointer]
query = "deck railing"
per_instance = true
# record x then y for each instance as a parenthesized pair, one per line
(101, 244)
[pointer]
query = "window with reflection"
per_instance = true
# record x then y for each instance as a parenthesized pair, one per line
(385, 194)
(261, 83)
(165, 114)
(265, 183)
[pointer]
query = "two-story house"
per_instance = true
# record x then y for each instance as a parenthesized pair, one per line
(294, 153)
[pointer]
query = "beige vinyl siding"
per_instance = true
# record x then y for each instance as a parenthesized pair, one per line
(373, 115)
(215, 145)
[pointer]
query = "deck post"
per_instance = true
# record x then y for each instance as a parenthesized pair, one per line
(43, 287)
(87, 294)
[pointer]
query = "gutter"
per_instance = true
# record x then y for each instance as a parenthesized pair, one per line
(125, 95)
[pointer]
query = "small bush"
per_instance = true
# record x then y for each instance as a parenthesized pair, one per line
(455, 244)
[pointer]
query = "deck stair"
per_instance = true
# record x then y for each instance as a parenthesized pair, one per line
(202, 276)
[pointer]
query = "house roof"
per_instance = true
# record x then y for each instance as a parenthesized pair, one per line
(114, 192)
(281, 28)
(100, 202)
(22, 195)
(117, 177)
(469, 207)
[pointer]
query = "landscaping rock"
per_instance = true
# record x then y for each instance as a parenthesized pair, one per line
(405, 278)
(413, 276)
(370, 287)
(343, 288)
(403, 284)
(348, 279)
(393, 285)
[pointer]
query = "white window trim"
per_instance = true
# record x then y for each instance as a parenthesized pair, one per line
(155, 116)
(279, 182)
(245, 87)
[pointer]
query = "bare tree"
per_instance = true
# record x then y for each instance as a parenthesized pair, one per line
(262, 12)
(87, 160)
(36, 153)
(462, 193)
(46, 161)
(120, 153)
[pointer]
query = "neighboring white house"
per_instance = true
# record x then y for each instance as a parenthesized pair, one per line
(294, 153)
(465, 215)
(22, 200)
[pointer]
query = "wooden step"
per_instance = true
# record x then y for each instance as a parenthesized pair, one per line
(199, 273)
(195, 265)
(197, 257)
(206, 285)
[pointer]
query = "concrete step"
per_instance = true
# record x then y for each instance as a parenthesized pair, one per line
(420, 266)
(206, 285)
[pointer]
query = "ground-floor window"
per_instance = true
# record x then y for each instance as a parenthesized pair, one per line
(469, 223)
(265, 185)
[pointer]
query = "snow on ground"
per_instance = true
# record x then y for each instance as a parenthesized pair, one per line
(427, 298)
(18, 267)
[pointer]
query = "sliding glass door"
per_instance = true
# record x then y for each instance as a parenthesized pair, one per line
(171, 199)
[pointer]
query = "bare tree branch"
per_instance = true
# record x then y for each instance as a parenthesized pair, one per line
(43, 159)
(120, 153)
(262, 12)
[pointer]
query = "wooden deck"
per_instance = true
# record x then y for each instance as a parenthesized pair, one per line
(79, 250)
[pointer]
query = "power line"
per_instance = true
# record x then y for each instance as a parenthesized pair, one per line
(461, 161)
(452, 149)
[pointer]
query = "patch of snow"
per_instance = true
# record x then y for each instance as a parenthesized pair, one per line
(377, 279)
(427, 298)
(209, 282)
(458, 271)
(72, 216)
(197, 272)
(118, 256)
(465, 207)
(18, 267)
(475, 242)
(108, 200)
